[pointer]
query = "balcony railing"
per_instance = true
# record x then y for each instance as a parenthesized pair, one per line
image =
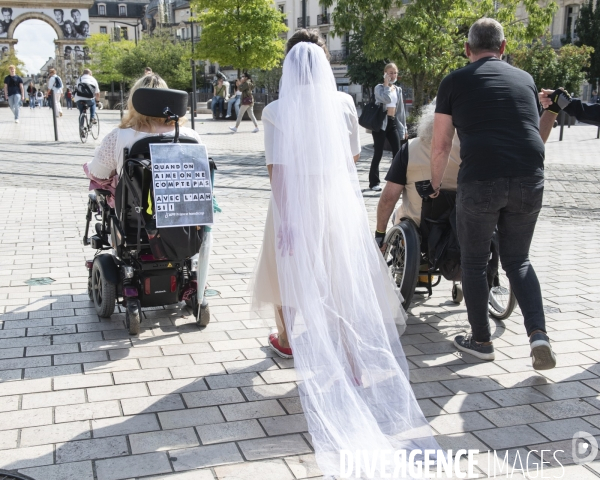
(301, 23)
(323, 19)
(338, 56)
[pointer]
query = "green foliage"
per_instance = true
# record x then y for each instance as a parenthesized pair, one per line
(11, 59)
(268, 79)
(588, 32)
(551, 69)
(106, 57)
(242, 33)
(362, 70)
(426, 42)
(170, 60)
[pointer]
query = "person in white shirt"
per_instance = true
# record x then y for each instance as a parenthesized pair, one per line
(55, 91)
(87, 92)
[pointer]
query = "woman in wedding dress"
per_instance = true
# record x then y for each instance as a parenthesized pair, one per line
(322, 271)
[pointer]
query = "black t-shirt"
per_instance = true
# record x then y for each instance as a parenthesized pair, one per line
(13, 84)
(496, 112)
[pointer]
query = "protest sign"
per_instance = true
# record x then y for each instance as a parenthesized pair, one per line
(181, 181)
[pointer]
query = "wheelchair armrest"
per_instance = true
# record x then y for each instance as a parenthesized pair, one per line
(101, 191)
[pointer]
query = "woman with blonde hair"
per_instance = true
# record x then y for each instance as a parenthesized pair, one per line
(394, 123)
(108, 159)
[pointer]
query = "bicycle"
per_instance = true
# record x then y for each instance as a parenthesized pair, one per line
(86, 126)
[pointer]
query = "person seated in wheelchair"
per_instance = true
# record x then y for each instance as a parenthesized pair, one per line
(106, 168)
(413, 164)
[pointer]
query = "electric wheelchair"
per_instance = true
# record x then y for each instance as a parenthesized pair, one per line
(136, 264)
(418, 257)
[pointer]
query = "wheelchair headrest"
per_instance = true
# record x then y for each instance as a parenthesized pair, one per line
(153, 101)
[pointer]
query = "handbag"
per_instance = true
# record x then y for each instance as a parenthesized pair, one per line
(247, 100)
(372, 116)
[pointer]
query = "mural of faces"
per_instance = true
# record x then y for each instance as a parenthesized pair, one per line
(59, 16)
(74, 23)
(6, 20)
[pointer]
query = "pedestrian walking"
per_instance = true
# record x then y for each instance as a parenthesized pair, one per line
(13, 90)
(246, 103)
(234, 101)
(55, 91)
(394, 124)
(496, 112)
(31, 91)
(319, 264)
(69, 98)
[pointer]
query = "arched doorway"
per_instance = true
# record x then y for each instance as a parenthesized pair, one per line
(36, 44)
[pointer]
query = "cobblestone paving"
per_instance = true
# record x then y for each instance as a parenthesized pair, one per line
(80, 399)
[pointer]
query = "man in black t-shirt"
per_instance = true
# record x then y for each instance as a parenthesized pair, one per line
(495, 110)
(13, 90)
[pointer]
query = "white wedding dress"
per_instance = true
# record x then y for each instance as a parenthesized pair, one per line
(342, 311)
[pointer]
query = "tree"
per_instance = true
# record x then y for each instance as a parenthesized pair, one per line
(426, 42)
(551, 69)
(106, 57)
(170, 60)
(362, 70)
(242, 33)
(11, 59)
(267, 79)
(588, 33)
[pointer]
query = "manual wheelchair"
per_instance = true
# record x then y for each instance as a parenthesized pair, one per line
(135, 263)
(420, 256)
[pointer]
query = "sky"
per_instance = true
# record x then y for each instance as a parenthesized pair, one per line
(36, 44)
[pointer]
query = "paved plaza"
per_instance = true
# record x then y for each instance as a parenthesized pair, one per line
(81, 399)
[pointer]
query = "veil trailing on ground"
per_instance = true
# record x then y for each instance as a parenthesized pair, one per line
(342, 311)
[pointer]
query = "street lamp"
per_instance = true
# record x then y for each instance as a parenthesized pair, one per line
(193, 64)
(135, 28)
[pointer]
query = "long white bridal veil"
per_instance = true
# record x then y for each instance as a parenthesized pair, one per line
(340, 306)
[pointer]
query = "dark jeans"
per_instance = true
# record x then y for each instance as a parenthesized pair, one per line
(391, 133)
(513, 204)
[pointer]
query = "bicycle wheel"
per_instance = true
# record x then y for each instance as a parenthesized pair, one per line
(502, 300)
(402, 255)
(95, 127)
(83, 127)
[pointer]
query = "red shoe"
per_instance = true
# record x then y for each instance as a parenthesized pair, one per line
(278, 349)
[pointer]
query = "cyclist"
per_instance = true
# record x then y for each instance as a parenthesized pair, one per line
(87, 92)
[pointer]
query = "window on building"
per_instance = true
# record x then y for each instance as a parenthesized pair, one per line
(102, 9)
(281, 7)
(571, 14)
(124, 34)
(122, 10)
(103, 30)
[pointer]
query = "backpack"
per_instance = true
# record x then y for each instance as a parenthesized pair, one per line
(57, 82)
(85, 90)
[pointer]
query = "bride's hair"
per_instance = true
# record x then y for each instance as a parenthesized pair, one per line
(310, 36)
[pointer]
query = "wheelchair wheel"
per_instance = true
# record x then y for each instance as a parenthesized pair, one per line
(133, 315)
(457, 293)
(201, 313)
(502, 300)
(104, 293)
(402, 255)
